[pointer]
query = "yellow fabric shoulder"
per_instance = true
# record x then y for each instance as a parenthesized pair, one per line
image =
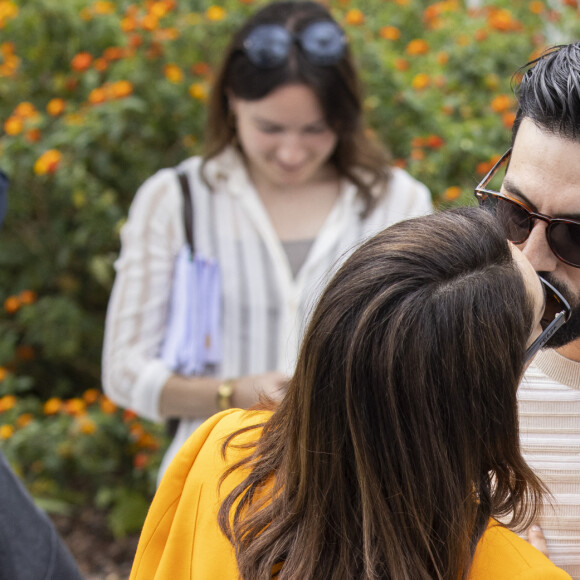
(181, 538)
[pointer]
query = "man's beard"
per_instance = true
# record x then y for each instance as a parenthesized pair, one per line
(571, 330)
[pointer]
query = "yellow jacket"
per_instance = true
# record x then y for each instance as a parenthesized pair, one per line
(181, 538)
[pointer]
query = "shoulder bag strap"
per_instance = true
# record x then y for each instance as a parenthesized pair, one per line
(187, 210)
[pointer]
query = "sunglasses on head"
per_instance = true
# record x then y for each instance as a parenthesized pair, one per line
(269, 45)
(556, 313)
(517, 220)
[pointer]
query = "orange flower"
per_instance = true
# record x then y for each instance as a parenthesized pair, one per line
(400, 163)
(3, 374)
(390, 33)
(128, 24)
(201, 69)
(7, 402)
(508, 119)
(536, 7)
(55, 107)
(434, 141)
(452, 193)
(120, 89)
(198, 91)
(97, 96)
(114, 53)
(27, 296)
(107, 406)
(81, 62)
(13, 126)
(215, 13)
(25, 110)
(173, 73)
(25, 352)
(129, 415)
(442, 58)
(159, 9)
(11, 304)
(75, 406)
(86, 14)
(91, 396)
(417, 46)
(7, 48)
(24, 419)
(501, 103)
(86, 426)
(417, 154)
(135, 41)
(101, 64)
(501, 19)
(140, 461)
(354, 17)
(420, 81)
(33, 135)
(147, 441)
(136, 431)
(167, 34)
(401, 64)
(48, 162)
(102, 7)
(483, 167)
(480, 35)
(52, 406)
(6, 431)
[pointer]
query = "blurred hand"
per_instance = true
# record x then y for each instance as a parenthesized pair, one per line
(537, 539)
(247, 390)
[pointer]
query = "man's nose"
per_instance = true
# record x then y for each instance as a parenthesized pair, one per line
(537, 250)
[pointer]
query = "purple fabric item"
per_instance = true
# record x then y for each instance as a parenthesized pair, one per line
(193, 332)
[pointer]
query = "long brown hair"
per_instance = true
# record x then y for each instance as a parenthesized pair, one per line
(337, 88)
(398, 437)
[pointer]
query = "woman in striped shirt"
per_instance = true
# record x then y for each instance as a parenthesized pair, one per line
(289, 185)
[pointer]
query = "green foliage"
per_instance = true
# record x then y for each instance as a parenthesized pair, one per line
(95, 96)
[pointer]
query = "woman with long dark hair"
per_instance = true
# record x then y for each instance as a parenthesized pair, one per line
(289, 183)
(396, 446)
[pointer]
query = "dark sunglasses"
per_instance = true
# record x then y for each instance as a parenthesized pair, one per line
(269, 45)
(556, 313)
(517, 220)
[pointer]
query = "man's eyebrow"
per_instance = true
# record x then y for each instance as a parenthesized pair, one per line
(511, 188)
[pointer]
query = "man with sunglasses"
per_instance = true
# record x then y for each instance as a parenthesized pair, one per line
(538, 205)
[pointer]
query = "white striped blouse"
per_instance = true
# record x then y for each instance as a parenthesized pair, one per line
(264, 306)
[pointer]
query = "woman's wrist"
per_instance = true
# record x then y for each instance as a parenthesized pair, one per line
(225, 393)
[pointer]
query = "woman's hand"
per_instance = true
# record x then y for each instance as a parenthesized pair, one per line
(537, 539)
(247, 390)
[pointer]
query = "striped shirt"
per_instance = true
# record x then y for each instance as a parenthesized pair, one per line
(549, 408)
(264, 306)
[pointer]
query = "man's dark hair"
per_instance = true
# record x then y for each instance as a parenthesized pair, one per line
(549, 92)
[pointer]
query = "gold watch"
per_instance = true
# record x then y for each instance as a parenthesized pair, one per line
(224, 394)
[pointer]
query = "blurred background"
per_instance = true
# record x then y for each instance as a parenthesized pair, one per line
(95, 96)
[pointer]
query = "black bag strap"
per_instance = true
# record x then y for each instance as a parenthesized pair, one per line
(172, 423)
(187, 210)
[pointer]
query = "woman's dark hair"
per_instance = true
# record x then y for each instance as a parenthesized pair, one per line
(549, 92)
(336, 86)
(398, 437)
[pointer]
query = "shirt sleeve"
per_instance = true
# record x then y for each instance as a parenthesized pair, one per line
(133, 373)
(30, 546)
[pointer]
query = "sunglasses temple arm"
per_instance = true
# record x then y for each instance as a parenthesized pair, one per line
(546, 335)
